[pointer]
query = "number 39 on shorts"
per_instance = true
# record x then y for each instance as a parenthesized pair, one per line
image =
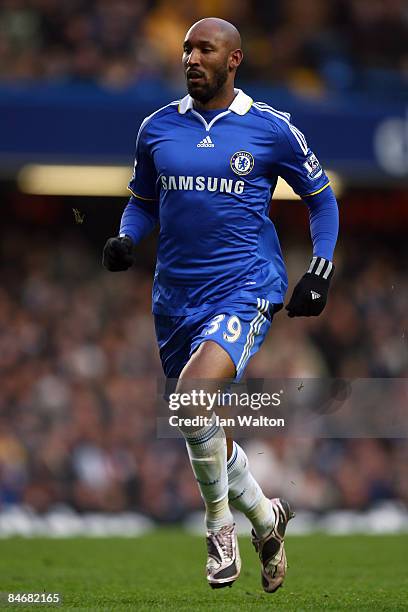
(232, 330)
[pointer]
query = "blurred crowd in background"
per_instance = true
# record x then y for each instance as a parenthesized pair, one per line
(78, 369)
(78, 357)
(312, 47)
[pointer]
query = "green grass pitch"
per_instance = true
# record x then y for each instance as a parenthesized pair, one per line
(164, 570)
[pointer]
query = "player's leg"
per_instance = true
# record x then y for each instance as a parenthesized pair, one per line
(245, 494)
(207, 448)
(240, 332)
(187, 358)
(210, 361)
(268, 517)
(207, 368)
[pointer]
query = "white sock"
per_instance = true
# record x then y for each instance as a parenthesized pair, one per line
(207, 449)
(246, 495)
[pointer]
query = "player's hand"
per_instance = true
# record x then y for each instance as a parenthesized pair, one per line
(309, 297)
(118, 254)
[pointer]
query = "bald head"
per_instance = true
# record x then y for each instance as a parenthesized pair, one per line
(219, 29)
(212, 54)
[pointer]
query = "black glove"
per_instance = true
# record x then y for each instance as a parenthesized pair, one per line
(118, 254)
(309, 297)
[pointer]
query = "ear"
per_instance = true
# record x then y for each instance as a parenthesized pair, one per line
(235, 59)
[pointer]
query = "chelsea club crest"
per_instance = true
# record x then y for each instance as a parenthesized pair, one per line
(242, 162)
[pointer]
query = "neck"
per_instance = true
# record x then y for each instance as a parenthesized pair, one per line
(222, 99)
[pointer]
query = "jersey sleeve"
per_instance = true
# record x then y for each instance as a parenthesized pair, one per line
(324, 222)
(142, 185)
(297, 164)
(138, 218)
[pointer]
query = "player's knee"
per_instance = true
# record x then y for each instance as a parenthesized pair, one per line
(209, 361)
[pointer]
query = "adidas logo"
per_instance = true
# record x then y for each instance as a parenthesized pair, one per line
(206, 142)
(315, 296)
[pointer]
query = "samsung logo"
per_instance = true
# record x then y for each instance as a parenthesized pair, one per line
(201, 183)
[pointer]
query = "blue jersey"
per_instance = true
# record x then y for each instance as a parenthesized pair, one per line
(214, 180)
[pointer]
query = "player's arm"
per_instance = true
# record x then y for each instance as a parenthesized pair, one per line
(141, 213)
(309, 296)
(138, 219)
(301, 169)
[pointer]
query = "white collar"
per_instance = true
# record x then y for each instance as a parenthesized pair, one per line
(240, 104)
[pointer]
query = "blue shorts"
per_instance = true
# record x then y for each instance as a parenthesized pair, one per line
(239, 328)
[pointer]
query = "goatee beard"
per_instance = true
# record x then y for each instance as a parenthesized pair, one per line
(208, 92)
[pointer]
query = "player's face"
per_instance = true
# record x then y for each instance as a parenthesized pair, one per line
(206, 65)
